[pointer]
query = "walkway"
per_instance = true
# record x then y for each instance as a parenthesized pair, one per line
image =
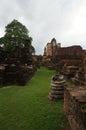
(28, 107)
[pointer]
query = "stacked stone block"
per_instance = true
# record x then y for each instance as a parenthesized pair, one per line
(57, 87)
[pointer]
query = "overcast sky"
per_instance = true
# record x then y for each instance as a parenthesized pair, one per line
(63, 19)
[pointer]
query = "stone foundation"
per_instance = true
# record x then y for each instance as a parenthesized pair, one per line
(15, 75)
(75, 107)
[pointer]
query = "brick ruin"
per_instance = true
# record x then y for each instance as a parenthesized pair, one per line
(69, 56)
(80, 75)
(75, 108)
(57, 87)
(19, 66)
(16, 67)
(66, 60)
(55, 56)
(70, 62)
(74, 70)
(49, 54)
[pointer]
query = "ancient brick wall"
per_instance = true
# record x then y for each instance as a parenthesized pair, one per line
(71, 52)
(70, 55)
(75, 107)
(49, 49)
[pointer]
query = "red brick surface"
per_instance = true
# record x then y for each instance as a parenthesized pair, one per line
(75, 107)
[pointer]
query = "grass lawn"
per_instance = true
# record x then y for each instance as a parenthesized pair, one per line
(28, 107)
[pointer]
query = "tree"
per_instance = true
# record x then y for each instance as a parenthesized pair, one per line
(16, 34)
(32, 50)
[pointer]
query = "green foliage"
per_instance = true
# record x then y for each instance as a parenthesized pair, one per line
(16, 34)
(32, 50)
(28, 108)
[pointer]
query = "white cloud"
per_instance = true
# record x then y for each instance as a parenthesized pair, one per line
(63, 19)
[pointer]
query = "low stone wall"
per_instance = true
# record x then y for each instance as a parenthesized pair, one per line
(15, 75)
(75, 107)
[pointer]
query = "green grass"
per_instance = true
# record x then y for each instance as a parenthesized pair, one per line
(28, 107)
